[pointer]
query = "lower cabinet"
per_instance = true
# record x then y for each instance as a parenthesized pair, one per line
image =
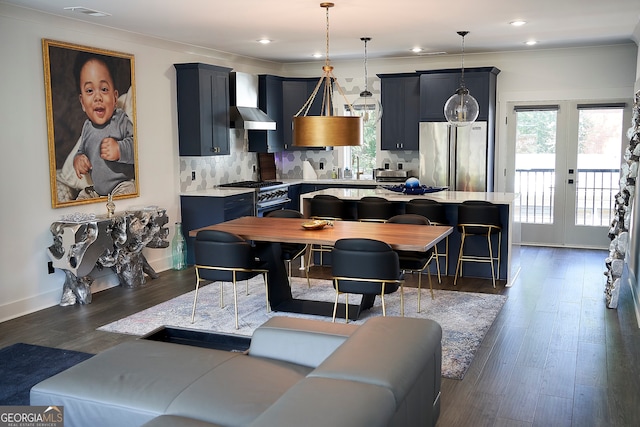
(200, 211)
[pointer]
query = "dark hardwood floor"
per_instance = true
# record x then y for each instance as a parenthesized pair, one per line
(555, 356)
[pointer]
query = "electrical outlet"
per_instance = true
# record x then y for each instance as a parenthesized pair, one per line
(50, 268)
(254, 168)
(321, 166)
(193, 175)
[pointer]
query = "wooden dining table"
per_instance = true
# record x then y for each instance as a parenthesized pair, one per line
(269, 232)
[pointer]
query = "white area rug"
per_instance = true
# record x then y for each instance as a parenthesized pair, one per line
(465, 317)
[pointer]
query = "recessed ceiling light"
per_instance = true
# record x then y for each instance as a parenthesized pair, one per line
(317, 55)
(87, 11)
(264, 41)
(518, 23)
(531, 42)
(416, 50)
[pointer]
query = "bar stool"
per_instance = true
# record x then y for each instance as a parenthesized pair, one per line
(327, 207)
(372, 208)
(479, 218)
(435, 213)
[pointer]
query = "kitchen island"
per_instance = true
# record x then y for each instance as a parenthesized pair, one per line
(509, 255)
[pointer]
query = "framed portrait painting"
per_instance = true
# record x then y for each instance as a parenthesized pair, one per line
(91, 123)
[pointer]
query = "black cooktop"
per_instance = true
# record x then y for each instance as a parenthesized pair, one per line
(251, 184)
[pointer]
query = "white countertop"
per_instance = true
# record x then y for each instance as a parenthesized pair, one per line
(218, 192)
(441, 196)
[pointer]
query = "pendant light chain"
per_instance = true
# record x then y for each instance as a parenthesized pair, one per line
(326, 61)
(462, 33)
(366, 75)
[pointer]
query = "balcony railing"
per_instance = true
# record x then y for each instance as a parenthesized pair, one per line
(595, 195)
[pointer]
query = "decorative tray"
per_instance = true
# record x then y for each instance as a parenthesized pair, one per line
(422, 189)
(316, 224)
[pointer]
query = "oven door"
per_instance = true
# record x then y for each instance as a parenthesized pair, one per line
(263, 208)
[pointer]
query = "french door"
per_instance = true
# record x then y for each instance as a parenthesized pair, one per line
(564, 162)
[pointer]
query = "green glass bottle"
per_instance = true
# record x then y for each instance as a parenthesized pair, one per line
(179, 249)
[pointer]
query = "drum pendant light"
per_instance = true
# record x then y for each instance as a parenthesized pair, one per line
(461, 109)
(327, 129)
(367, 106)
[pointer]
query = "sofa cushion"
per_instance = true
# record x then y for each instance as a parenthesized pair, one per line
(320, 402)
(389, 352)
(128, 384)
(301, 341)
(176, 421)
(238, 391)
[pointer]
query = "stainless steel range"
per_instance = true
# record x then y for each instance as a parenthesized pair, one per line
(269, 195)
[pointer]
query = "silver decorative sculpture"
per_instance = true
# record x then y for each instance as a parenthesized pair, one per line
(114, 242)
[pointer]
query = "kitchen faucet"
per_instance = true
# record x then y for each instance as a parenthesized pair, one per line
(358, 171)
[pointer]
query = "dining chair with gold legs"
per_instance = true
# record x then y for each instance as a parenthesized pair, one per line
(226, 257)
(367, 267)
(326, 207)
(292, 251)
(416, 261)
(435, 212)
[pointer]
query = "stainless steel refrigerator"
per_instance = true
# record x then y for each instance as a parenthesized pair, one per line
(455, 157)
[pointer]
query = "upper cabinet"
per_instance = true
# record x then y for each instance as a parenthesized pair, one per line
(203, 109)
(400, 122)
(295, 92)
(437, 86)
(282, 98)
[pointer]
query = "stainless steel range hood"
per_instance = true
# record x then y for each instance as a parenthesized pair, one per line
(245, 114)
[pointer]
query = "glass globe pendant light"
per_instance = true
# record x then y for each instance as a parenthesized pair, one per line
(461, 109)
(367, 106)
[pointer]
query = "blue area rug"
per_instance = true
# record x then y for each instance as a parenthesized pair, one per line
(24, 365)
(465, 317)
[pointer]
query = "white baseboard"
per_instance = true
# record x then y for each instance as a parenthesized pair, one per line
(103, 279)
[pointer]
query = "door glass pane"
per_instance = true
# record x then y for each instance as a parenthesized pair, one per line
(599, 139)
(535, 165)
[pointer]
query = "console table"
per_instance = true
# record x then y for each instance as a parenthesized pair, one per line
(102, 241)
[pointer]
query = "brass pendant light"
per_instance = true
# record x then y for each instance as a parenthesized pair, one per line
(327, 129)
(461, 109)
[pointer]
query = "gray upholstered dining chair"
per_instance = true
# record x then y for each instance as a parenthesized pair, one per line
(226, 257)
(367, 267)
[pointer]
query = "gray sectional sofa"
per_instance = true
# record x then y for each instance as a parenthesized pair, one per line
(297, 372)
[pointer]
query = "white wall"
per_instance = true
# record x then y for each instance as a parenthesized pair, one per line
(26, 212)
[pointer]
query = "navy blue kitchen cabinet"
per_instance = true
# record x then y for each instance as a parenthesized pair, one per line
(400, 122)
(295, 92)
(437, 86)
(282, 98)
(203, 109)
(200, 211)
(271, 102)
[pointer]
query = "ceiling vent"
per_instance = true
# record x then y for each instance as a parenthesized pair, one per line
(87, 11)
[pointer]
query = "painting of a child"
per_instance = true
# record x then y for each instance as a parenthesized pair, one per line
(106, 151)
(91, 123)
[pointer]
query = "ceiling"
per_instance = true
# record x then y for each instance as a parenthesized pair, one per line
(297, 28)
